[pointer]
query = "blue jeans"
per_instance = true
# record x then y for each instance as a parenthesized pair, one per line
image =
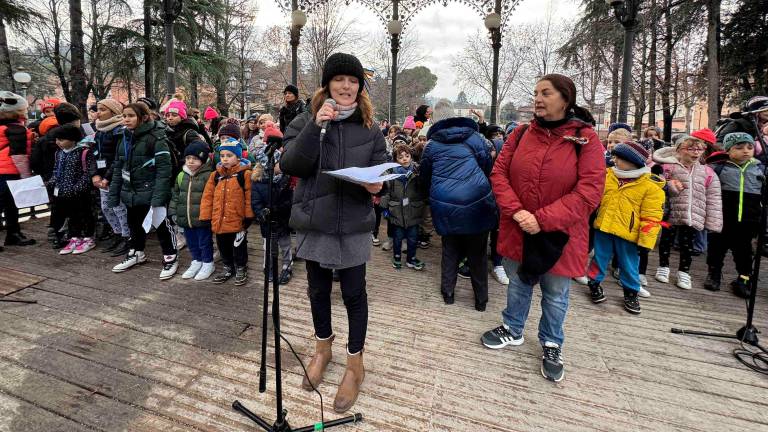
(200, 243)
(554, 304)
(626, 254)
(411, 235)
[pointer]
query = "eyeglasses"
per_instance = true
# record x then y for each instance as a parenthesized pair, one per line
(694, 149)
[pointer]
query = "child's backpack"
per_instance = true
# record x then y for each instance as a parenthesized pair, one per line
(240, 179)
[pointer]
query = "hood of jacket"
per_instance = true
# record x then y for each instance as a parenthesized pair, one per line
(205, 169)
(666, 155)
(452, 130)
(244, 164)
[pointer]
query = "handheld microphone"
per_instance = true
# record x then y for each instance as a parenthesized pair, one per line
(739, 115)
(324, 124)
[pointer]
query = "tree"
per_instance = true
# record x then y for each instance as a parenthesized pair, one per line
(327, 31)
(744, 57)
(77, 71)
(713, 62)
(462, 98)
(14, 15)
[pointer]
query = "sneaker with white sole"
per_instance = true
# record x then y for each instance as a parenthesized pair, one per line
(500, 337)
(643, 293)
(643, 280)
(500, 275)
(70, 247)
(552, 362)
(191, 272)
(133, 258)
(387, 245)
(84, 246)
(662, 274)
(170, 266)
(581, 280)
(206, 270)
(683, 280)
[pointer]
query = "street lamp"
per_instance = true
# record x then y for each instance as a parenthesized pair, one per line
(395, 28)
(493, 24)
(22, 78)
(626, 12)
(298, 20)
(247, 92)
(171, 11)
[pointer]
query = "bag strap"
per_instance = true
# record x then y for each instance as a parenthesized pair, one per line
(240, 175)
(83, 161)
(179, 179)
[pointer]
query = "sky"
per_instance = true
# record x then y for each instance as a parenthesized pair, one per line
(442, 30)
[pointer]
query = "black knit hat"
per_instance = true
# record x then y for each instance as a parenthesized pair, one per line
(293, 89)
(66, 113)
(343, 64)
(68, 132)
(198, 149)
(149, 102)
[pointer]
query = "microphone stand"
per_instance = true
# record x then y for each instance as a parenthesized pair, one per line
(271, 266)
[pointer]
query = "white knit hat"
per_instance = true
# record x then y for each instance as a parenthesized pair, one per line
(11, 102)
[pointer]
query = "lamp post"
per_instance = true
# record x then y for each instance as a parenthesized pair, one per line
(626, 12)
(22, 78)
(171, 11)
(298, 20)
(247, 92)
(232, 85)
(394, 28)
(493, 24)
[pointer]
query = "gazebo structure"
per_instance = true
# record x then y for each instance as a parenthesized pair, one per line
(395, 15)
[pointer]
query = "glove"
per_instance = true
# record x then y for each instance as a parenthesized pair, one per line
(385, 214)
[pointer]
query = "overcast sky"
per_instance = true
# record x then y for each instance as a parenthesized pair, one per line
(441, 30)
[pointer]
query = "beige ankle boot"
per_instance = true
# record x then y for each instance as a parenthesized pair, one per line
(349, 388)
(316, 366)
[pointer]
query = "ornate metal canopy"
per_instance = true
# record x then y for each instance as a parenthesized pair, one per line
(407, 9)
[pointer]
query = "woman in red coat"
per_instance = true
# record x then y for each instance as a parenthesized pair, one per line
(547, 180)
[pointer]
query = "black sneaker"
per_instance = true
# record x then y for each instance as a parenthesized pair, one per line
(552, 362)
(741, 287)
(415, 264)
(631, 303)
(500, 337)
(397, 264)
(241, 276)
(111, 243)
(449, 299)
(595, 292)
(480, 307)
(224, 276)
(464, 272)
(18, 239)
(123, 246)
(286, 275)
(714, 278)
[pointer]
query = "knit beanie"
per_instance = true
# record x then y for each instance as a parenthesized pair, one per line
(68, 132)
(493, 129)
(149, 102)
(232, 145)
(47, 124)
(231, 128)
(409, 123)
(343, 64)
(66, 113)
(11, 102)
(736, 138)
(49, 103)
(112, 105)
(177, 107)
(615, 126)
(632, 152)
(705, 135)
(293, 89)
(210, 114)
(199, 149)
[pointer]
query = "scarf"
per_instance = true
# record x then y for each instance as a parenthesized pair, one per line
(109, 124)
(631, 174)
(345, 111)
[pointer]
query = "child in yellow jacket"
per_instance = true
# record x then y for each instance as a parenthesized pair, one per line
(629, 218)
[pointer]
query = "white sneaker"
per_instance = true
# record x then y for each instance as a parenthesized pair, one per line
(581, 280)
(205, 272)
(133, 258)
(500, 275)
(662, 274)
(170, 265)
(643, 293)
(192, 270)
(643, 280)
(387, 245)
(683, 280)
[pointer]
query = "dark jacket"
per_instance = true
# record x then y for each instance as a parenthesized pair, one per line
(741, 188)
(187, 194)
(290, 112)
(73, 171)
(282, 199)
(179, 137)
(456, 162)
(405, 198)
(43, 156)
(105, 148)
(142, 168)
(323, 203)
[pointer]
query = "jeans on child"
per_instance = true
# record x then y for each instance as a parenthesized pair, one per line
(554, 304)
(200, 243)
(605, 245)
(411, 235)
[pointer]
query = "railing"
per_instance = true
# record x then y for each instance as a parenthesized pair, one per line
(28, 213)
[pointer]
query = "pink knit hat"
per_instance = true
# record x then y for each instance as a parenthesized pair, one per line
(409, 123)
(210, 114)
(177, 107)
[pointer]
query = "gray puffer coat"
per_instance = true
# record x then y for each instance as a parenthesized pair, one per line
(322, 203)
(698, 204)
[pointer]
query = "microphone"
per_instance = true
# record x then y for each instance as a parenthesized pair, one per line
(324, 124)
(738, 115)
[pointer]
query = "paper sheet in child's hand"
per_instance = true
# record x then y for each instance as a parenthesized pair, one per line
(155, 216)
(364, 176)
(28, 192)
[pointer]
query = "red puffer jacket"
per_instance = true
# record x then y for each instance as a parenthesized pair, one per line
(15, 147)
(543, 173)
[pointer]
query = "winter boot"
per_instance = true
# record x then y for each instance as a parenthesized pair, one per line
(631, 303)
(714, 277)
(741, 286)
(596, 292)
(349, 388)
(316, 366)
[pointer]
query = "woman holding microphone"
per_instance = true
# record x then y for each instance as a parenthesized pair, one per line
(333, 219)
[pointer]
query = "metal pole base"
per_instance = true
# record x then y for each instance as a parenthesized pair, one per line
(748, 335)
(284, 427)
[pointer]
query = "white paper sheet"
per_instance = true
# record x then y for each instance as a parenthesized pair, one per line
(364, 176)
(155, 216)
(28, 192)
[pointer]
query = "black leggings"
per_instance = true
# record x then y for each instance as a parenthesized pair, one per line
(686, 234)
(166, 232)
(77, 209)
(355, 299)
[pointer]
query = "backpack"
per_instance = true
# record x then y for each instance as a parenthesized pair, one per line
(240, 179)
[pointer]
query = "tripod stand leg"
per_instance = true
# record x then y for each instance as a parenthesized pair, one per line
(246, 412)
